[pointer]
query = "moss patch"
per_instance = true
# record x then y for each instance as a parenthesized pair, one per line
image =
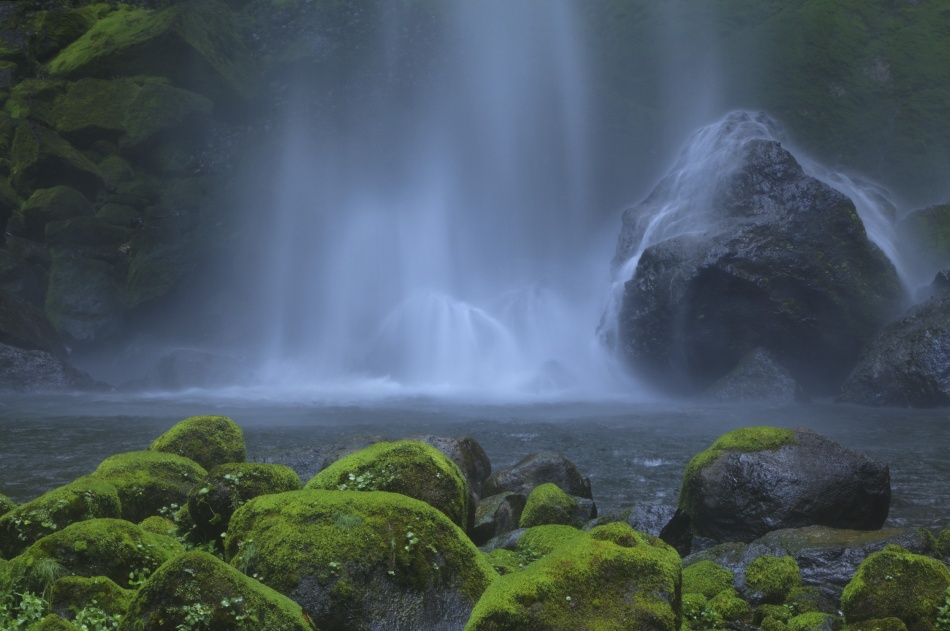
(773, 578)
(72, 593)
(408, 467)
(208, 440)
(548, 504)
(707, 578)
(612, 578)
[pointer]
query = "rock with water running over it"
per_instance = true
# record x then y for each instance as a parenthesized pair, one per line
(769, 257)
(758, 479)
(908, 364)
(757, 377)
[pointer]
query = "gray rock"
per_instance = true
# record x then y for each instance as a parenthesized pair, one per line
(497, 515)
(739, 496)
(465, 452)
(908, 365)
(539, 468)
(782, 262)
(23, 370)
(83, 300)
(757, 377)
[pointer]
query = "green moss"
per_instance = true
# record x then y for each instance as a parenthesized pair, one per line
(773, 577)
(86, 498)
(896, 583)
(878, 624)
(52, 622)
(342, 553)
(209, 590)
(782, 613)
(732, 608)
(504, 561)
(227, 487)
(707, 578)
(743, 440)
(148, 481)
(113, 548)
(541, 541)
(159, 525)
(693, 607)
(593, 582)
(53, 204)
(6, 504)
(548, 504)
(208, 440)
(34, 99)
(408, 467)
(772, 624)
(41, 159)
(72, 593)
(943, 542)
(813, 621)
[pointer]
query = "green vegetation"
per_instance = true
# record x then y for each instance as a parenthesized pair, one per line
(706, 578)
(208, 440)
(548, 504)
(773, 578)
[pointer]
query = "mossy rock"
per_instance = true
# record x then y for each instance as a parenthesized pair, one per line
(878, 624)
(504, 561)
(360, 560)
(53, 204)
(86, 231)
(730, 606)
(765, 611)
(707, 578)
(548, 504)
(161, 257)
(128, 110)
(895, 583)
(83, 299)
(742, 440)
(943, 542)
(71, 593)
(814, 621)
(693, 607)
(41, 159)
(196, 588)
(197, 44)
(54, 30)
(113, 548)
(52, 622)
(611, 578)
(408, 467)
(148, 481)
(540, 541)
(208, 440)
(772, 578)
(160, 525)
(88, 497)
(6, 504)
(33, 99)
(229, 486)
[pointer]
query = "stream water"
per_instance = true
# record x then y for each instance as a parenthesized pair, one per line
(633, 452)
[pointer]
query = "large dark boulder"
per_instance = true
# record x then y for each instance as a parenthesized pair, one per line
(754, 480)
(908, 364)
(538, 468)
(752, 252)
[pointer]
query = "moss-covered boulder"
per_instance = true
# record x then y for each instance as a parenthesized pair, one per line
(6, 504)
(540, 541)
(227, 487)
(730, 607)
(814, 621)
(360, 560)
(33, 99)
(464, 451)
(878, 624)
(127, 110)
(771, 579)
(548, 504)
(895, 583)
(706, 578)
(408, 467)
(88, 497)
(53, 204)
(114, 548)
(161, 256)
(84, 299)
(72, 593)
(758, 479)
(52, 622)
(610, 578)
(41, 159)
(85, 231)
(196, 44)
(208, 440)
(198, 590)
(149, 481)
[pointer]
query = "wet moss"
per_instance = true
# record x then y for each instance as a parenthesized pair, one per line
(71, 593)
(149, 481)
(899, 584)
(730, 606)
(208, 440)
(773, 578)
(6, 504)
(878, 624)
(86, 498)
(408, 467)
(540, 541)
(707, 578)
(612, 578)
(52, 622)
(813, 621)
(197, 588)
(342, 552)
(548, 504)
(41, 159)
(113, 548)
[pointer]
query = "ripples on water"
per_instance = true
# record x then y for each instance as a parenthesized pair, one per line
(634, 453)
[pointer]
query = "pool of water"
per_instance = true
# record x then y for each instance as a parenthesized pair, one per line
(633, 452)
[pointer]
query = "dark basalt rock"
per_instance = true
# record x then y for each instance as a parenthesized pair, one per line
(466, 453)
(536, 469)
(811, 480)
(782, 262)
(497, 515)
(908, 365)
(757, 377)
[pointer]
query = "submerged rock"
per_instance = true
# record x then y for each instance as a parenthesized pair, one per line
(758, 479)
(908, 364)
(770, 258)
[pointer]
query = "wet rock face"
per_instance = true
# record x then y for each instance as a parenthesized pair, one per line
(908, 365)
(779, 261)
(538, 468)
(810, 480)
